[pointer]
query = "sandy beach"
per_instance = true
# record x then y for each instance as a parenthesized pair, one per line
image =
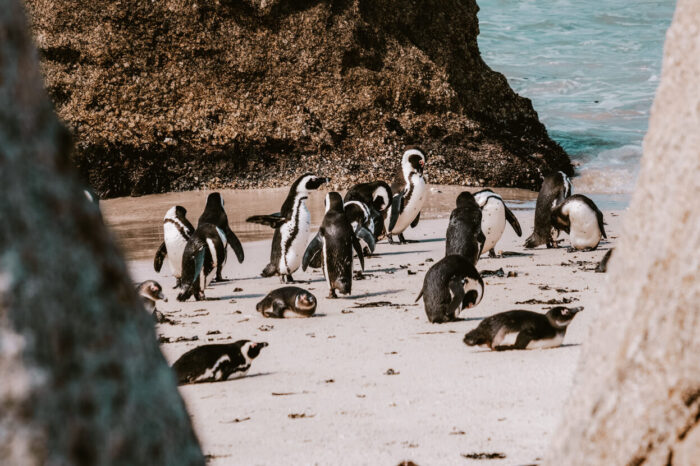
(369, 380)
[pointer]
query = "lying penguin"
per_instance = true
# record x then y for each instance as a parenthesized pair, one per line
(494, 213)
(518, 329)
(176, 231)
(555, 188)
(291, 226)
(582, 220)
(335, 242)
(204, 253)
(464, 235)
(450, 286)
(377, 196)
(360, 217)
(410, 192)
(150, 291)
(213, 363)
(288, 301)
(215, 214)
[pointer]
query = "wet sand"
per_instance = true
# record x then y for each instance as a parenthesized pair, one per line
(323, 393)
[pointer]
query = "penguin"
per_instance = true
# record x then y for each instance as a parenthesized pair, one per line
(494, 213)
(150, 291)
(291, 226)
(360, 217)
(176, 232)
(288, 301)
(377, 196)
(602, 266)
(410, 192)
(334, 242)
(203, 253)
(522, 329)
(215, 214)
(464, 235)
(451, 285)
(582, 220)
(214, 363)
(555, 188)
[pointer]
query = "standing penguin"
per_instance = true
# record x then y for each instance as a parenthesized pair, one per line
(213, 363)
(582, 220)
(450, 286)
(291, 226)
(377, 196)
(464, 235)
(215, 214)
(410, 192)
(176, 231)
(204, 252)
(335, 241)
(555, 188)
(494, 213)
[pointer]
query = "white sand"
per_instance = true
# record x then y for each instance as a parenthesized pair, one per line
(446, 400)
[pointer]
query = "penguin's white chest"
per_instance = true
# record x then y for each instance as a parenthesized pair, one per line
(416, 198)
(294, 237)
(493, 223)
(175, 244)
(584, 231)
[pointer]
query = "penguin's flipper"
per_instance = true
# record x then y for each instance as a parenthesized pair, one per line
(420, 295)
(272, 220)
(358, 249)
(395, 208)
(601, 224)
(522, 340)
(278, 308)
(513, 220)
(365, 235)
(457, 292)
(235, 244)
(314, 247)
(160, 257)
(415, 221)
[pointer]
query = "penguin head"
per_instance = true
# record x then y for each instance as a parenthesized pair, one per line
(308, 182)
(466, 199)
(381, 196)
(559, 220)
(214, 201)
(250, 349)
(180, 212)
(473, 292)
(334, 202)
(152, 290)
(305, 301)
(413, 161)
(561, 316)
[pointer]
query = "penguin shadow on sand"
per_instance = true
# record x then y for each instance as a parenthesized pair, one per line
(396, 253)
(502, 349)
(374, 293)
(238, 296)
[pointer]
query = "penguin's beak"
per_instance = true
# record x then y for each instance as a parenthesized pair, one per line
(575, 310)
(162, 296)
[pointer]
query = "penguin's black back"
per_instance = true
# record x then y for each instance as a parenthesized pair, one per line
(214, 212)
(337, 234)
(436, 291)
(553, 189)
(464, 235)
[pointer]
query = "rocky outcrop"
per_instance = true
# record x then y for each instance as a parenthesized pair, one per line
(176, 94)
(82, 379)
(636, 399)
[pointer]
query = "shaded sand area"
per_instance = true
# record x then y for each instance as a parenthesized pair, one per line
(369, 380)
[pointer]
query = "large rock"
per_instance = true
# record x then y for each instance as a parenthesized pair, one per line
(82, 379)
(636, 399)
(176, 94)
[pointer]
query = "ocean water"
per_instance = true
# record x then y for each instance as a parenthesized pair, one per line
(591, 69)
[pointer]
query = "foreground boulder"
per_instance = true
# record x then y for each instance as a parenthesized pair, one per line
(166, 95)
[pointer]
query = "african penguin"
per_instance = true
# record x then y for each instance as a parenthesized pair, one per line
(450, 286)
(150, 291)
(377, 196)
(288, 301)
(334, 242)
(582, 220)
(291, 226)
(213, 363)
(203, 253)
(522, 329)
(360, 218)
(494, 213)
(176, 231)
(410, 192)
(464, 235)
(555, 188)
(215, 214)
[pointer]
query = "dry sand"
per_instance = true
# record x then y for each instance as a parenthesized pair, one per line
(445, 399)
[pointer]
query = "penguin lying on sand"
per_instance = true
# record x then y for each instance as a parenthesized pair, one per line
(494, 213)
(582, 220)
(213, 363)
(464, 235)
(377, 196)
(215, 214)
(450, 286)
(150, 291)
(335, 242)
(410, 193)
(555, 188)
(522, 329)
(176, 231)
(288, 301)
(291, 228)
(204, 253)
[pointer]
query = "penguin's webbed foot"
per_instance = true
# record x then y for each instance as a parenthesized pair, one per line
(199, 296)
(492, 253)
(286, 278)
(390, 238)
(332, 295)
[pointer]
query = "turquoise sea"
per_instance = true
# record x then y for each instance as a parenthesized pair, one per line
(591, 70)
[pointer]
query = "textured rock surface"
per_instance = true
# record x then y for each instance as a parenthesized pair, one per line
(82, 380)
(637, 397)
(176, 94)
